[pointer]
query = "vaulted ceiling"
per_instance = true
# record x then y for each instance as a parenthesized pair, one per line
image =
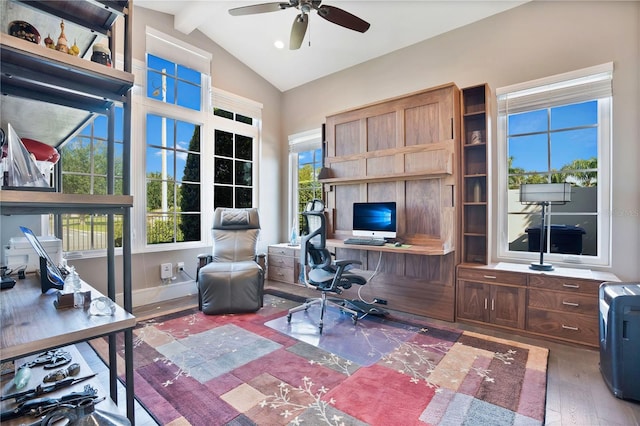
(327, 47)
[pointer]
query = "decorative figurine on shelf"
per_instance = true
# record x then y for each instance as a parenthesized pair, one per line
(62, 40)
(49, 42)
(101, 54)
(476, 137)
(74, 50)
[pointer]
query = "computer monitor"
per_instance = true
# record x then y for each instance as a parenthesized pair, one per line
(374, 219)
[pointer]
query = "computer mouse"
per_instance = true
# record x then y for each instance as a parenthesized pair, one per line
(398, 244)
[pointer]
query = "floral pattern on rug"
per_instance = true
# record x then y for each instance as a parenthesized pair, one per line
(195, 369)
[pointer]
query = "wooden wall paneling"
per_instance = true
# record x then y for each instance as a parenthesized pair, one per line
(381, 132)
(349, 136)
(380, 192)
(381, 165)
(344, 197)
(422, 208)
(421, 125)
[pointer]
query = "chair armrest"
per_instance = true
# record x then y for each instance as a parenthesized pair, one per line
(203, 259)
(261, 260)
(347, 262)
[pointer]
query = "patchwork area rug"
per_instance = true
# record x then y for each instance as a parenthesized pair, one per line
(196, 369)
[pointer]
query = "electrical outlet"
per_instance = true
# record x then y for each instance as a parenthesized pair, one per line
(165, 270)
(180, 266)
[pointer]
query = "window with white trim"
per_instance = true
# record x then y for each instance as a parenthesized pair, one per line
(305, 162)
(174, 112)
(552, 130)
(236, 148)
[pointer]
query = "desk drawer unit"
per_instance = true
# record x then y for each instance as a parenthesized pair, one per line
(564, 307)
(282, 263)
(576, 328)
(492, 276)
(572, 285)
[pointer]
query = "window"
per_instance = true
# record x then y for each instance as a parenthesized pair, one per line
(551, 131)
(236, 136)
(173, 83)
(84, 171)
(173, 180)
(233, 176)
(305, 158)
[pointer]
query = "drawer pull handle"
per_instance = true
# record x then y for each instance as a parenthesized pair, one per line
(575, 305)
(493, 304)
(571, 285)
(485, 303)
(568, 327)
(490, 277)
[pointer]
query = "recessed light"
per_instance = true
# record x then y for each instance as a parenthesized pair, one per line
(279, 44)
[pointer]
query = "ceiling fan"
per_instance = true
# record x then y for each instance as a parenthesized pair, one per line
(299, 27)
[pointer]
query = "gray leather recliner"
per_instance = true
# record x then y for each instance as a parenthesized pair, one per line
(231, 278)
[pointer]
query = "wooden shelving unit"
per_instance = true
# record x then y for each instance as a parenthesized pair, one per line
(475, 174)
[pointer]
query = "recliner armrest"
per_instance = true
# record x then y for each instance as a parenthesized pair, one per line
(203, 259)
(261, 260)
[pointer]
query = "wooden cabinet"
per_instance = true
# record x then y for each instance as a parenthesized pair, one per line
(52, 85)
(282, 263)
(475, 174)
(560, 305)
(495, 298)
(564, 307)
(402, 150)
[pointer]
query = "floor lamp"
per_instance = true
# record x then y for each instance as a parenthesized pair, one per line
(544, 194)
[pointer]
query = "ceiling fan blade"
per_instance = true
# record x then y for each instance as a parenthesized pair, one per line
(258, 8)
(298, 30)
(343, 18)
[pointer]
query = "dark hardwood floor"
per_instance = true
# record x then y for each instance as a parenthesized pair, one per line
(576, 392)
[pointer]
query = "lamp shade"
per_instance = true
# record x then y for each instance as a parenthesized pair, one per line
(553, 193)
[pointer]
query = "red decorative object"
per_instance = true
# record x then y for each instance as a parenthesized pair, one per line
(40, 150)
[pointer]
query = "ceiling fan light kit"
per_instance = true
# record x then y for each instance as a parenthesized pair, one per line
(299, 28)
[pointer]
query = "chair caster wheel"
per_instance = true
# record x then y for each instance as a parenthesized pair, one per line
(354, 319)
(288, 317)
(320, 329)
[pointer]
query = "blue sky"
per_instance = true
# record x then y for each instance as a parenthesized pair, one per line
(538, 141)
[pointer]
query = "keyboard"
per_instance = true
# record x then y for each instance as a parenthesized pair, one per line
(365, 241)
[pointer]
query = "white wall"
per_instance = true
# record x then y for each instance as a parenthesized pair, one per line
(535, 40)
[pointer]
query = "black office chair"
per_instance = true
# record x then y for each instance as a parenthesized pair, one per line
(323, 274)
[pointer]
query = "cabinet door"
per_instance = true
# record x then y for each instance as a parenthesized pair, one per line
(473, 301)
(507, 306)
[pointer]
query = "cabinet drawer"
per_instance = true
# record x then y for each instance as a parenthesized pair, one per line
(287, 275)
(282, 251)
(492, 276)
(578, 328)
(565, 302)
(575, 285)
(281, 261)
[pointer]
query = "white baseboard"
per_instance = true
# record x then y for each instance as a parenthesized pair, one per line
(149, 296)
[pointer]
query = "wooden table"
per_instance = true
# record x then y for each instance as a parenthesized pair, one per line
(30, 323)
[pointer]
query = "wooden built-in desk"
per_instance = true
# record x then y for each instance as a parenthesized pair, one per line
(434, 248)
